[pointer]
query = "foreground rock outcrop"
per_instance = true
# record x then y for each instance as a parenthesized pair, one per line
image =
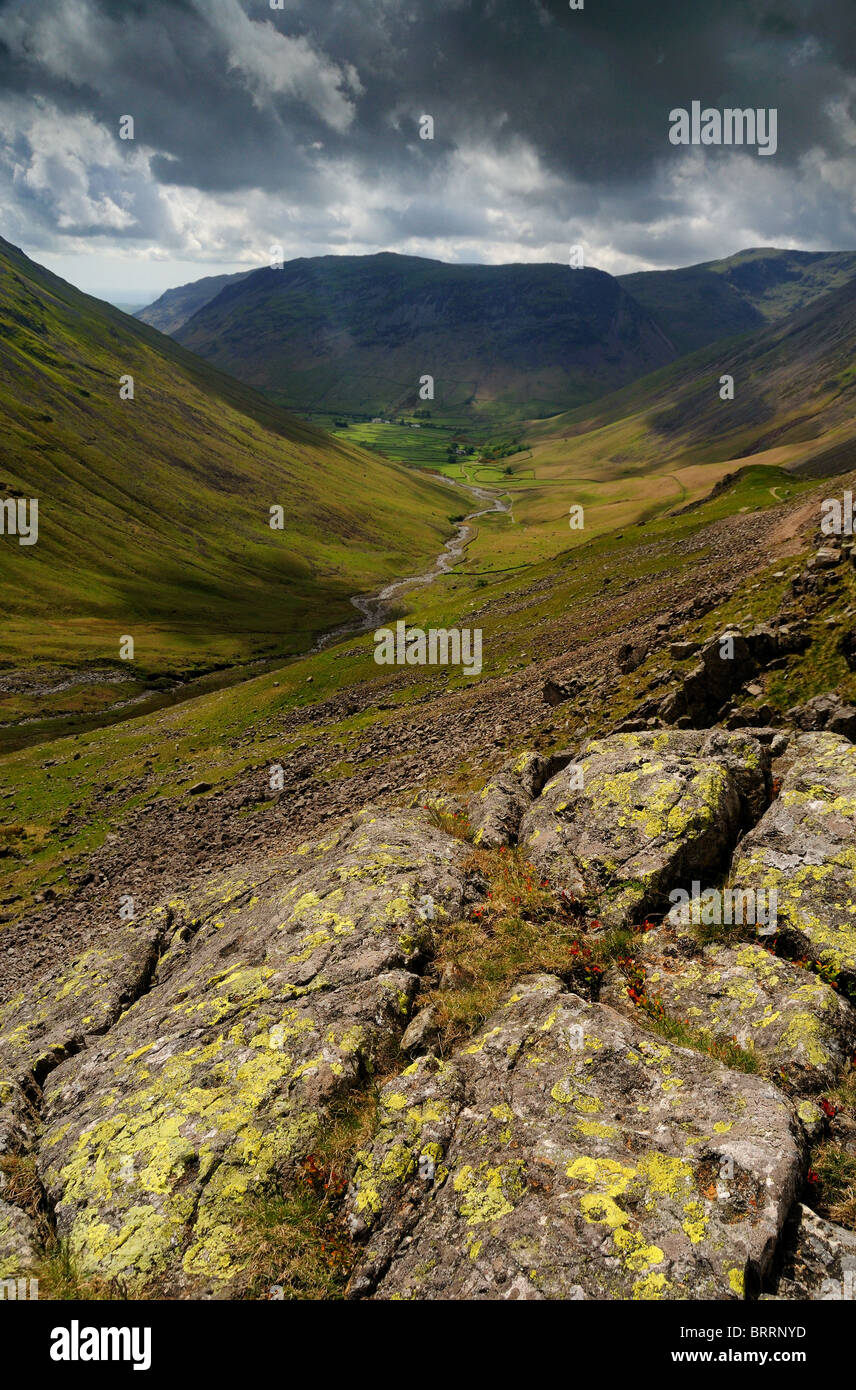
(638, 813)
(567, 1149)
(792, 1020)
(18, 1243)
(273, 995)
(818, 1259)
(805, 849)
(573, 1156)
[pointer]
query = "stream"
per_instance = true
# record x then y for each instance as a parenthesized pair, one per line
(374, 608)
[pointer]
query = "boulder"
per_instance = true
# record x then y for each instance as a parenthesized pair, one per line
(826, 558)
(19, 1119)
(558, 692)
(566, 1153)
(638, 813)
(52, 1020)
(217, 1081)
(423, 1030)
(819, 1260)
(843, 721)
(18, 1243)
(726, 664)
(804, 846)
(797, 1026)
(630, 656)
(825, 712)
(496, 811)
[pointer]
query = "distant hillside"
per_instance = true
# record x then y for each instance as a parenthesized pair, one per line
(794, 404)
(357, 333)
(154, 514)
(354, 334)
(175, 307)
(702, 303)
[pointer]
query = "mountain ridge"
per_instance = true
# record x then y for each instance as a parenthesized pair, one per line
(360, 334)
(247, 329)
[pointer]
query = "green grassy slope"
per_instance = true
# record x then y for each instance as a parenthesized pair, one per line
(357, 333)
(221, 735)
(154, 513)
(794, 392)
(666, 441)
(698, 304)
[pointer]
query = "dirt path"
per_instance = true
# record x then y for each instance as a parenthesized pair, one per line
(790, 533)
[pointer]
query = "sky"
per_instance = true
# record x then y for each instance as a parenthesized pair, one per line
(299, 127)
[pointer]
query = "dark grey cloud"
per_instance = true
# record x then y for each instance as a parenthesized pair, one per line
(551, 125)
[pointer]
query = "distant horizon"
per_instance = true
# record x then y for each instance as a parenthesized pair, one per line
(137, 299)
(145, 146)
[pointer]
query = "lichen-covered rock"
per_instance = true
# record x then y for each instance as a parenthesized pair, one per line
(638, 813)
(49, 1022)
(496, 811)
(819, 1259)
(423, 1031)
(747, 759)
(18, 1243)
(19, 1119)
(219, 1077)
(798, 1027)
(804, 847)
(566, 1153)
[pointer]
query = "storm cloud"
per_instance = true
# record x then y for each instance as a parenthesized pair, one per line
(300, 126)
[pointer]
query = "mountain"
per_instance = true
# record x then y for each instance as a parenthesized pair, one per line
(355, 334)
(154, 513)
(701, 303)
(175, 307)
(358, 333)
(794, 407)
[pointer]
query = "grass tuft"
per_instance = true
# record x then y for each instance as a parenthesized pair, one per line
(678, 1030)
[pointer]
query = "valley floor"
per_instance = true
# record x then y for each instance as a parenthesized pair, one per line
(111, 813)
